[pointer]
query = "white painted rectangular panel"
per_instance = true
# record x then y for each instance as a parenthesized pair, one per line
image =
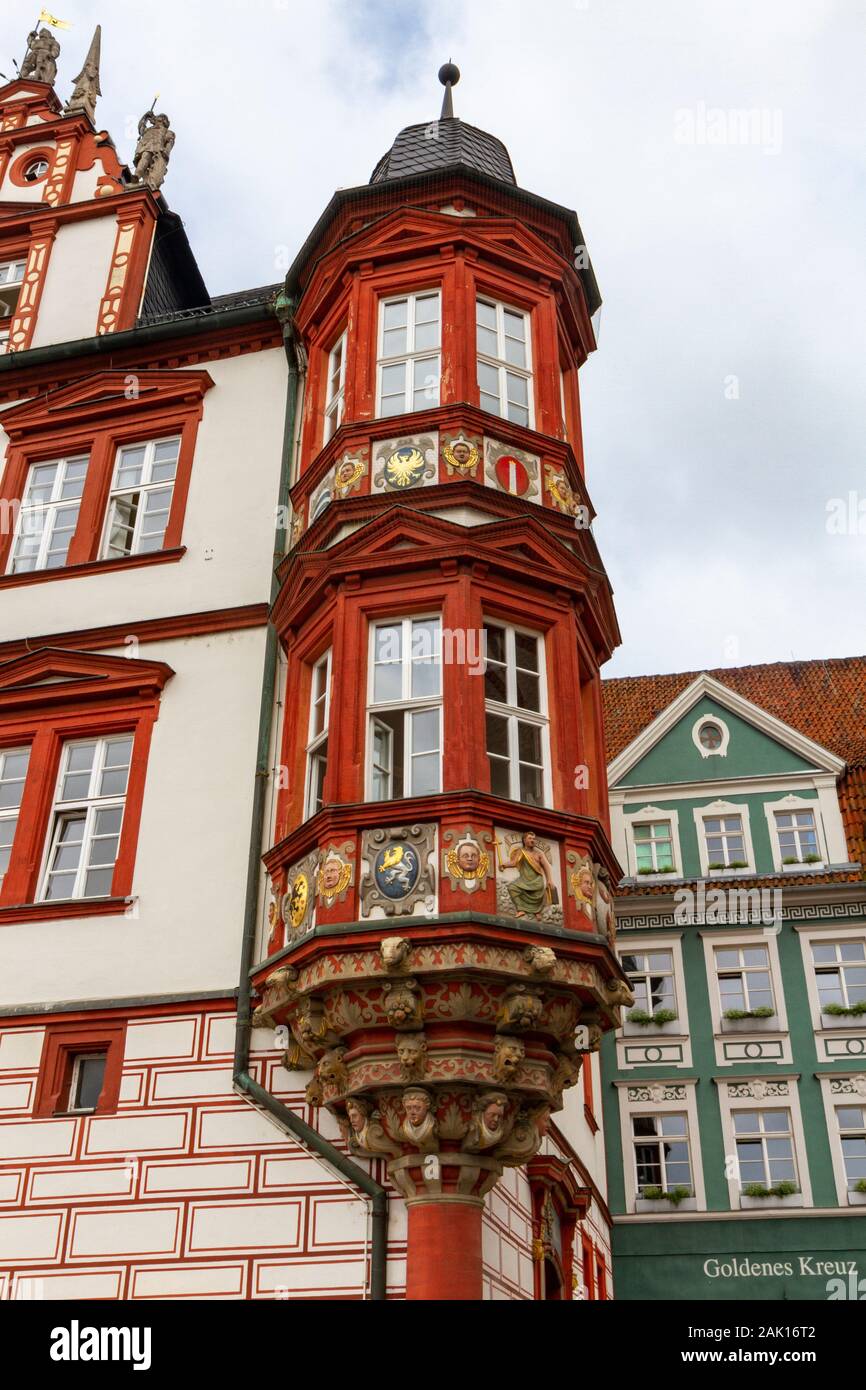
(244, 1226)
(301, 1171)
(136, 1134)
(314, 1276)
(36, 1139)
(50, 1185)
(192, 1082)
(80, 1284)
(30, 1237)
(337, 1221)
(219, 1035)
(75, 280)
(134, 1231)
(10, 1184)
(189, 1281)
(217, 1175)
(15, 1095)
(238, 1129)
(21, 1048)
(174, 1038)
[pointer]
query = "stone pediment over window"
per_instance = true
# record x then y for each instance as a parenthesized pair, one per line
(103, 397)
(52, 676)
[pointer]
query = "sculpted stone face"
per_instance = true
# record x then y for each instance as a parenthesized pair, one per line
(461, 451)
(586, 883)
(529, 839)
(357, 1118)
(493, 1114)
(468, 857)
(417, 1108)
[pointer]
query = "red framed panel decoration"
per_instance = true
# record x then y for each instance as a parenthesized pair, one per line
(96, 417)
(48, 698)
(63, 1043)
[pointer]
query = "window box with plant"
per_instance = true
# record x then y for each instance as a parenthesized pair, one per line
(662, 1020)
(857, 1194)
(658, 1199)
(757, 1194)
(844, 1015)
(746, 1020)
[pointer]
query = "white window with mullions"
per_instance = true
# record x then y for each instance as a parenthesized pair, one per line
(765, 1147)
(653, 846)
(661, 1153)
(745, 978)
(317, 741)
(13, 774)
(516, 715)
(651, 976)
(840, 973)
(725, 841)
(11, 280)
(502, 337)
(335, 393)
(140, 499)
(409, 359)
(87, 818)
(851, 1120)
(405, 709)
(48, 515)
(798, 837)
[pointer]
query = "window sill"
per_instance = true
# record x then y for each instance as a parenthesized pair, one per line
(712, 874)
(673, 1028)
(158, 557)
(54, 911)
(674, 877)
(857, 1199)
(817, 868)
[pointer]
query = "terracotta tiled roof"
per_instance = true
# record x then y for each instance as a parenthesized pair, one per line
(825, 700)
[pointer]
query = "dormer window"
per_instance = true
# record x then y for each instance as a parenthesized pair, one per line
(410, 362)
(336, 388)
(11, 280)
(504, 361)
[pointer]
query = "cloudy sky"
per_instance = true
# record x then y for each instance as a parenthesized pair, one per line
(715, 155)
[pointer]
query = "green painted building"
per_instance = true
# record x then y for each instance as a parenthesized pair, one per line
(735, 1091)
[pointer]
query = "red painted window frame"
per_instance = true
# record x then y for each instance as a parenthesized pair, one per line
(601, 1276)
(88, 697)
(97, 417)
(65, 1041)
(588, 1267)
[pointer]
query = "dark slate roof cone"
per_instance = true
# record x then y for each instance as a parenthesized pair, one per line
(445, 144)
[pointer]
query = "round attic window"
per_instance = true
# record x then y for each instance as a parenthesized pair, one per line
(35, 170)
(710, 736)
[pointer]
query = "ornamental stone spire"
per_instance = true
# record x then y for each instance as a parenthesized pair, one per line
(87, 87)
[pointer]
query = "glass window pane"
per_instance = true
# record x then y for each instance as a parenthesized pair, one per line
(394, 313)
(531, 785)
(497, 735)
(89, 1074)
(425, 731)
(486, 314)
(528, 691)
(500, 778)
(529, 742)
(97, 883)
(486, 341)
(488, 380)
(425, 775)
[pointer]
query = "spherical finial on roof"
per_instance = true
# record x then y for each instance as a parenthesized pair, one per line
(449, 72)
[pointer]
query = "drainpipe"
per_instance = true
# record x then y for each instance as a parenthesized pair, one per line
(243, 1083)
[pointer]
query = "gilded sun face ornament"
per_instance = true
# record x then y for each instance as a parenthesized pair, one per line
(349, 472)
(461, 457)
(467, 863)
(333, 878)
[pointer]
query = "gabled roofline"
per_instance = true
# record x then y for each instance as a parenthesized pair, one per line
(706, 685)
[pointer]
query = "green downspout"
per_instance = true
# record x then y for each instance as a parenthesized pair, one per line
(243, 1083)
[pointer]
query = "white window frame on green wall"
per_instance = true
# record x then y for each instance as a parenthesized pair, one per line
(792, 804)
(724, 810)
(676, 1097)
(652, 815)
